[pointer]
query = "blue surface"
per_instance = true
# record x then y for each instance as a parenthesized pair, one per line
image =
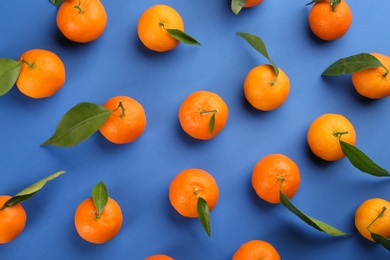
(138, 174)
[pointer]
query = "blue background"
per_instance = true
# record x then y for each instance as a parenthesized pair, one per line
(138, 174)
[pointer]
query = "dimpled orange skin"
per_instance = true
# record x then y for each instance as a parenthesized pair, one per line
(44, 77)
(372, 83)
(187, 186)
(321, 136)
(327, 24)
(266, 174)
(102, 230)
(258, 89)
(159, 257)
(252, 3)
(256, 250)
(151, 26)
(81, 27)
(12, 220)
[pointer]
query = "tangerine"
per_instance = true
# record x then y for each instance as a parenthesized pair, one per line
(256, 250)
(373, 216)
(264, 90)
(159, 257)
(203, 114)
(324, 135)
(98, 229)
(272, 173)
(12, 220)
(152, 27)
(329, 22)
(81, 20)
(188, 186)
(373, 83)
(127, 121)
(42, 73)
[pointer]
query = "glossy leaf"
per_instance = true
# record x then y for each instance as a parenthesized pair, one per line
(78, 124)
(204, 215)
(381, 240)
(362, 161)
(237, 5)
(9, 73)
(100, 196)
(29, 191)
(56, 2)
(317, 224)
(258, 44)
(182, 36)
(352, 64)
(212, 123)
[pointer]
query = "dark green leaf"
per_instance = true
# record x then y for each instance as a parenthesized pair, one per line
(317, 224)
(182, 36)
(362, 161)
(9, 73)
(100, 196)
(352, 64)
(31, 190)
(56, 2)
(237, 5)
(212, 123)
(313, 2)
(78, 124)
(334, 3)
(381, 240)
(257, 43)
(204, 215)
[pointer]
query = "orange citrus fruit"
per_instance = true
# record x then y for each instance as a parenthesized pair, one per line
(159, 257)
(42, 73)
(152, 25)
(126, 123)
(256, 250)
(324, 134)
(273, 172)
(199, 111)
(373, 215)
(81, 20)
(98, 230)
(373, 83)
(330, 22)
(252, 3)
(12, 220)
(264, 90)
(188, 186)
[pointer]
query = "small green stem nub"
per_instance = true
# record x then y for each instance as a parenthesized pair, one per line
(31, 65)
(379, 216)
(386, 72)
(97, 215)
(120, 105)
(339, 134)
(196, 192)
(79, 7)
(208, 112)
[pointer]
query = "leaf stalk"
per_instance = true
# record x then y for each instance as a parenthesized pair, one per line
(81, 10)
(379, 216)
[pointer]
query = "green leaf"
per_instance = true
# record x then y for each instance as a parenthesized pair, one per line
(258, 44)
(100, 196)
(29, 191)
(212, 123)
(78, 124)
(334, 3)
(381, 240)
(9, 73)
(56, 2)
(182, 36)
(313, 2)
(352, 64)
(237, 5)
(317, 224)
(204, 215)
(362, 161)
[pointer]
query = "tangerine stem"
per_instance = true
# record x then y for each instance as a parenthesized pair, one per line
(29, 64)
(120, 105)
(281, 179)
(379, 216)
(386, 72)
(339, 134)
(79, 7)
(97, 215)
(208, 112)
(196, 192)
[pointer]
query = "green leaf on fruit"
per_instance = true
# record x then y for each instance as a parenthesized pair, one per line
(204, 215)
(100, 196)
(352, 64)
(258, 44)
(317, 224)
(56, 2)
(381, 240)
(9, 73)
(30, 191)
(212, 123)
(182, 36)
(362, 161)
(80, 122)
(237, 5)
